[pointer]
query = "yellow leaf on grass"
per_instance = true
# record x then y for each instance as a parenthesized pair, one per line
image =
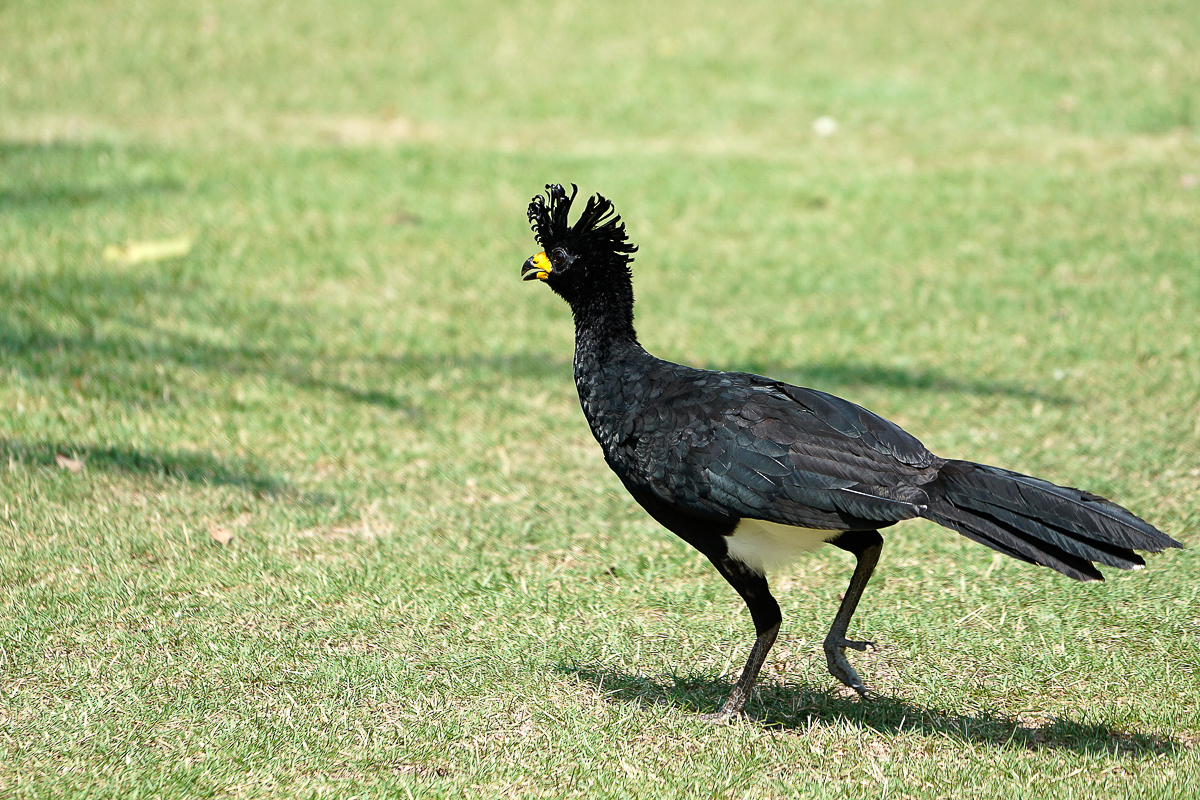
(155, 250)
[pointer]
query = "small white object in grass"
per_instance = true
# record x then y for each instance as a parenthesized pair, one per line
(70, 463)
(824, 126)
(219, 534)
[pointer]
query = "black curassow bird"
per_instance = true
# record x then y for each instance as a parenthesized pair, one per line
(752, 472)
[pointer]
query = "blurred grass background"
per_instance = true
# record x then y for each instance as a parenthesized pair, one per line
(309, 509)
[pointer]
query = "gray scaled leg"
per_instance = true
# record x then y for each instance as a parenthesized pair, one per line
(752, 586)
(866, 547)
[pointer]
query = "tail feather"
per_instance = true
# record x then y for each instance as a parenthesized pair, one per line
(1040, 522)
(1013, 542)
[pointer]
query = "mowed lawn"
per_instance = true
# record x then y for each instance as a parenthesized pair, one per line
(296, 499)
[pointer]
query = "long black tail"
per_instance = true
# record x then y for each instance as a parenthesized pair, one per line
(1039, 522)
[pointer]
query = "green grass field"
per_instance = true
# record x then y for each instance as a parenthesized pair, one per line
(302, 503)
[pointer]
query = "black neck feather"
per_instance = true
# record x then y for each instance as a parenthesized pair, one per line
(603, 310)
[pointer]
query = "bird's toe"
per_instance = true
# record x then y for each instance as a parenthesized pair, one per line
(861, 646)
(723, 717)
(839, 665)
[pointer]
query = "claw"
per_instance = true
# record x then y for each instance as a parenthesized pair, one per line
(839, 666)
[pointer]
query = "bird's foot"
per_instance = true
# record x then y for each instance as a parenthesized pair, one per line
(853, 644)
(723, 717)
(733, 710)
(839, 666)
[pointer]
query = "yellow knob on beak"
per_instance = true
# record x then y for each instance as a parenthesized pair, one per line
(536, 267)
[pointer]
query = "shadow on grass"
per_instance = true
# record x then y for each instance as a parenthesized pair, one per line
(30, 192)
(181, 465)
(98, 331)
(838, 377)
(821, 375)
(797, 708)
(62, 327)
(74, 195)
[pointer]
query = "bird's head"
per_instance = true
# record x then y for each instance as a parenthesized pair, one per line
(581, 259)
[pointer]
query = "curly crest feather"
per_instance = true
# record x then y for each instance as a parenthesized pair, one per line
(599, 227)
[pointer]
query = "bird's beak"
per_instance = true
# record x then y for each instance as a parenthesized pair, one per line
(536, 267)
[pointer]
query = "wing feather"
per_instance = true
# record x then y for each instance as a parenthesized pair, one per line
(738, 445)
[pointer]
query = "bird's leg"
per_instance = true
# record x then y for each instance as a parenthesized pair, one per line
(866, 547)
(736, 704)
(752, 586)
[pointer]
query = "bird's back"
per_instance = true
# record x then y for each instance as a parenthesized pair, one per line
(731, 444)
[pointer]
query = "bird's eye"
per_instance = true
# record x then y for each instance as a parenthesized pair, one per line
(558, 256)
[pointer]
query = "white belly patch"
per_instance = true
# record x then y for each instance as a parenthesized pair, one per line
(764, 545)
